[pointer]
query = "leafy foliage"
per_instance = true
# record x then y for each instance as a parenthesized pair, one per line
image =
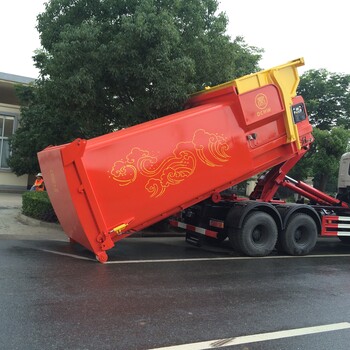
(327, 97)
(328, 148)
(322, 161)
(109, 64)
(38, 206)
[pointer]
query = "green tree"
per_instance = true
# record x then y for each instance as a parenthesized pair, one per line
(327, 98)
(328, 147)
(109, 64)
(322, 161)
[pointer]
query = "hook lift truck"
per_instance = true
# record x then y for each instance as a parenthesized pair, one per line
(180, 167)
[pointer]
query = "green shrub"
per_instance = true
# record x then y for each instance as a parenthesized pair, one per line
(37, 205)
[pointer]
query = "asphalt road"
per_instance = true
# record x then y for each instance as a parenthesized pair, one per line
(161, 292)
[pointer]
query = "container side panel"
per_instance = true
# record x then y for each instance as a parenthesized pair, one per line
(178, 160)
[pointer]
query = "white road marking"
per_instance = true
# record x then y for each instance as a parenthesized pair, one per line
(219, 343)
(198, 259)
(226, 258)
(66, 254)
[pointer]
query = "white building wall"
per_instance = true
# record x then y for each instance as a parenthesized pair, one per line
(5, 108)
(12, 182)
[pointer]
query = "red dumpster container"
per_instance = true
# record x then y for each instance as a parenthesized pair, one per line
(106, 188)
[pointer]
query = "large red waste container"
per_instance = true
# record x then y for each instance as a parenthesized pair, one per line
(106, 188)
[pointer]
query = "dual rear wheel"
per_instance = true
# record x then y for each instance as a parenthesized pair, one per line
(300, 235)
(258, 235)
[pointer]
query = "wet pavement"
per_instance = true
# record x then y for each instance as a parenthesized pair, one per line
(159, 292)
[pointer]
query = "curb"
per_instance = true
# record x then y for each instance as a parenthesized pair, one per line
(26, 220)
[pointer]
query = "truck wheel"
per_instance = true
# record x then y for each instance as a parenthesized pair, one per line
(300, 235)
(102, 257)
(258, 234)
(233, 237)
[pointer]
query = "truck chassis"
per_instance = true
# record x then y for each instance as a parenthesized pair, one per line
(258, 225)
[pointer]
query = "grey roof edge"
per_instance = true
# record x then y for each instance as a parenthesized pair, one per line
(16, 78)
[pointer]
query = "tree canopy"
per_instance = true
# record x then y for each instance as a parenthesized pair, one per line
(327, 98)
(328, 148)
(109, 64)
(322, 161)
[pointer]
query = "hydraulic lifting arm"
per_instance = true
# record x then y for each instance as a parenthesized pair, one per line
(269, 183)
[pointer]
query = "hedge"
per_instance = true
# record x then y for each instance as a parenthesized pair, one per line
(37, 205)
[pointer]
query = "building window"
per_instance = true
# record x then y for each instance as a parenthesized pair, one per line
(7, 125)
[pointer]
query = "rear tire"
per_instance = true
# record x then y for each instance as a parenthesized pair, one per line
(232, 235)
(300, 235)
(257, 236)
